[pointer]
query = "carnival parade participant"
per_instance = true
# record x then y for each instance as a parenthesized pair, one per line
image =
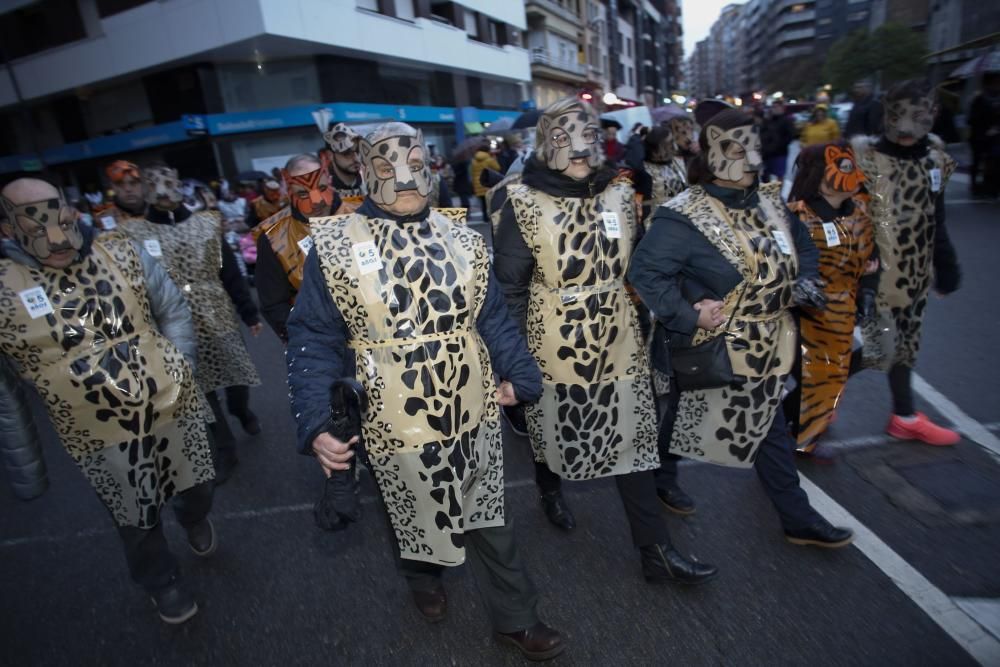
(99, 329)
(341, 159)
(283, 241)
(744, 261)
(411, 294)
(128, 202)
(269, 203)
(562, 249)
(907, 171)
(191, 248)
(827, 197)
(682, 127)
(659, 173)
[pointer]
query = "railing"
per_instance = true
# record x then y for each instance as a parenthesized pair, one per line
(541, 56)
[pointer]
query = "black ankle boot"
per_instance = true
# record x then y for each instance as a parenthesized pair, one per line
(662, 563)
(557, 510)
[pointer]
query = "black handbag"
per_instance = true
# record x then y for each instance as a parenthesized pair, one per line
(706, 365)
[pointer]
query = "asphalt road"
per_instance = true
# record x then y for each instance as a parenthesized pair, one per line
(279, 591)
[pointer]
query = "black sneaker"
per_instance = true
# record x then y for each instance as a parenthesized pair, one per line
(557, 511)
(201, 538)
(514, 416)
(174, 604)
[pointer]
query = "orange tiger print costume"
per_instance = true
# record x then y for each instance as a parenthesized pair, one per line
(826, 336)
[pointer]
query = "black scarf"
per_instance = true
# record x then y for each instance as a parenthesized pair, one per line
(537, 175)
(370, 209)
(821, 207)
(914, 152)
(161, 217)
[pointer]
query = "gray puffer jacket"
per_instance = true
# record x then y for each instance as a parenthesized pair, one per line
(20, 443)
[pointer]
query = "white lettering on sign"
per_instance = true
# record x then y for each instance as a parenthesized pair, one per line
(36, 302)
(367, 257)
(832, 237)
(612, 228)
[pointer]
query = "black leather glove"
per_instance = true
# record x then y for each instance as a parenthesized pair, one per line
(340, 504)
(866, 305)
(809, 292)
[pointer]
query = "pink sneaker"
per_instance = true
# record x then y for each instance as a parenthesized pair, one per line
(922, 429)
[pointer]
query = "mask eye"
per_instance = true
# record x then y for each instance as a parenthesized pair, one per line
(559, 139)
(733, 150)
(590, 135)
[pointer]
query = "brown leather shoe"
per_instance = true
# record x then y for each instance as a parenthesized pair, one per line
(539, 642)
(432, 605)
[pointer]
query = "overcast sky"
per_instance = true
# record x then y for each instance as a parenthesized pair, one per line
(698, 16)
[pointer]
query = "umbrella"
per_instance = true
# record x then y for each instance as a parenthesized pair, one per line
(251, 176)
(467, 148)
(526, 120)
(610, 122)
(988, 62)
(667, 113)
(501, 125)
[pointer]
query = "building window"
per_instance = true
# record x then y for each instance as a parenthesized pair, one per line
(631, 77)
(857, 16)
(106, 8)
(41, 26)
(798, 8)
(471, 24)
(824, 21)
(628, 45)
(404, 10)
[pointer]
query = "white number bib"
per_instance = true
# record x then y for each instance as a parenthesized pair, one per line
(306, 244)
(366, 255)
(832, 237)
(36, 302)
(108, 222)
(935, 180)
(782, 241)
(152, 247)
(612, 227)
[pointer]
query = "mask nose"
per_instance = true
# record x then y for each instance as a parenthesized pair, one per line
(404, 179)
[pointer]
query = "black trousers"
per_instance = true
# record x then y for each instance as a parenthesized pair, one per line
(509, 595)
(223, 440)
(900, 384)
(638, 493)
(775, 466)
(150, 562)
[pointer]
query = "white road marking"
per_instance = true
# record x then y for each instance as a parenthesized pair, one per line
(951, 618)
(986, 611)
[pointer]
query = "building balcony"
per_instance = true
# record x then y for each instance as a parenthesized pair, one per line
(791, 18)
(550, 7)
(789, 52)
(550, 60)
(786, 36)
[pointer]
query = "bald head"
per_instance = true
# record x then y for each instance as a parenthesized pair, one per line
(25, 190)
(44, 225)
(302, 164)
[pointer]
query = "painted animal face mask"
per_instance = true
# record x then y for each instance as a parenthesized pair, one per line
(683, 130)
(908, 121)
(162, 187)
(48, 230)
(841, 173)
(394, 165)
(311, 193)
(341, 138)
(733, 153)
(574, 134)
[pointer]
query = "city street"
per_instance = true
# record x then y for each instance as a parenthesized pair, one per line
(920, 586)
